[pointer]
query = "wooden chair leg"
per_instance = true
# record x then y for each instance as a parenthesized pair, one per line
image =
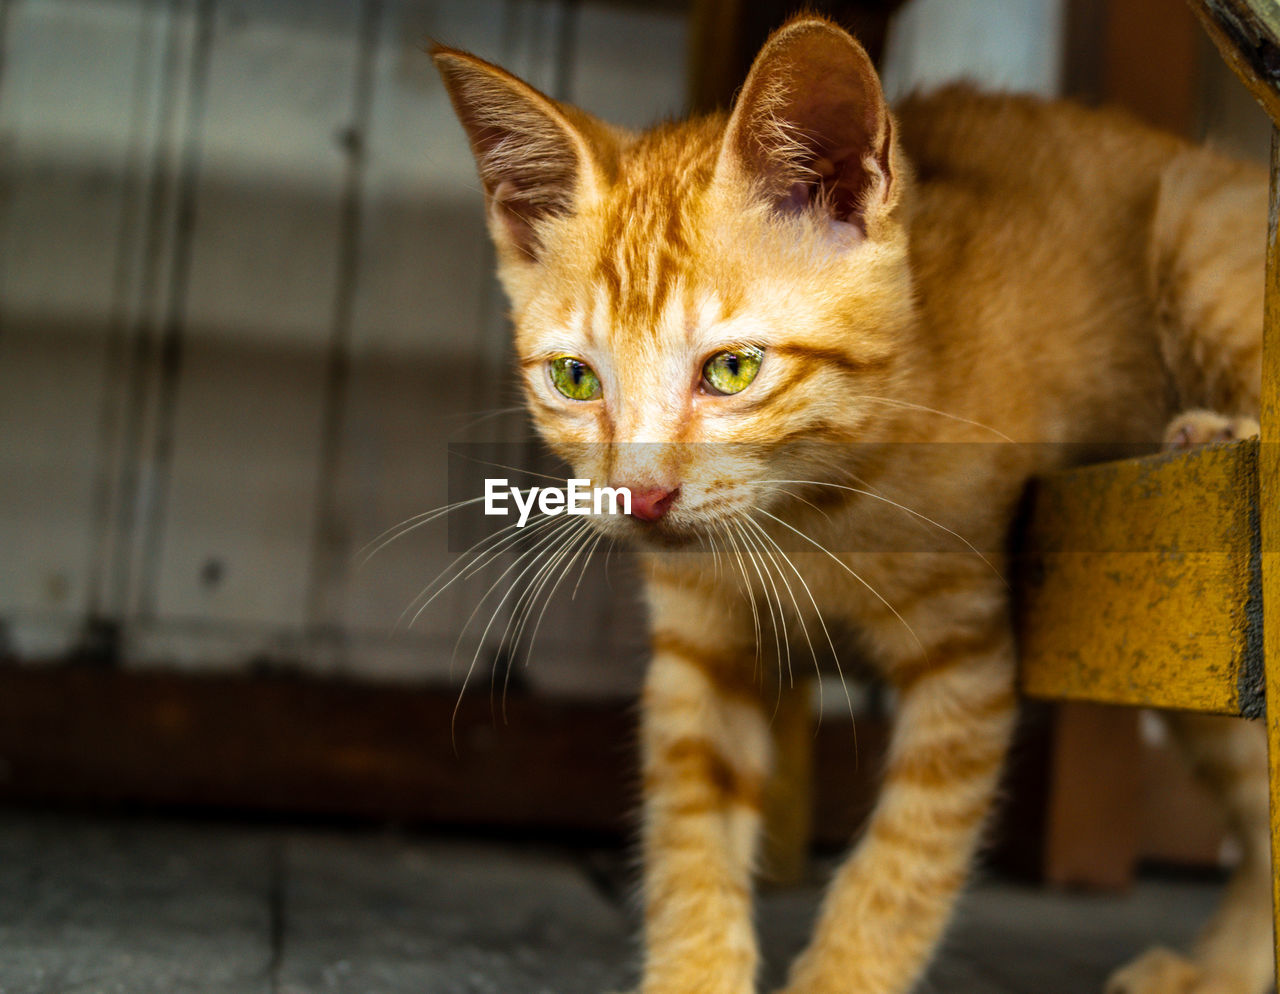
(1091, 825)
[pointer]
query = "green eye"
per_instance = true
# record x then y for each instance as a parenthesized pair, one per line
(733, 370)
(574, 378)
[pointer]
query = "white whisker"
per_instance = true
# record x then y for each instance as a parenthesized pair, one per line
(845, 566)
(512, 469)
(537, 552)
(748, 536)
(553, 567)
(579, 547)
(934, 410)
(835, 656)
(485, 416)
(781, 630)
(396, 532)
(570, 550)
(902, 507)
(583, 571)
(480, 558)
(530, 558)
(792, 493)
(764, 590)
(746, 580)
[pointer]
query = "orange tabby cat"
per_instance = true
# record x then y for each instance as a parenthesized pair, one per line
(745, 319)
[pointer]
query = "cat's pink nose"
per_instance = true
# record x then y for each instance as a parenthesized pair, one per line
(650, 504)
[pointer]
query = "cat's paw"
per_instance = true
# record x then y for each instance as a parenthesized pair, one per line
(1192, 428)
(1162, 971)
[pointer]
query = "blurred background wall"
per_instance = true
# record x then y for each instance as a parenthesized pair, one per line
(246, 299)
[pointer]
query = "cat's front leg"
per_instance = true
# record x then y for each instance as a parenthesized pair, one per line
(706, 753)
(888, 904)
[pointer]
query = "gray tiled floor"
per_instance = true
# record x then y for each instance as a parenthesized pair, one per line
(135, 907)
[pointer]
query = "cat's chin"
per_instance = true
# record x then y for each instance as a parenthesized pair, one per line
(662, 535)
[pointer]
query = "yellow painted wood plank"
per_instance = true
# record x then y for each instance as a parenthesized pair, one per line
(1269, 482)
(1141, 583)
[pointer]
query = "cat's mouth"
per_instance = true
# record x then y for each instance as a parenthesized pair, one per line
(695, 512)
(688, 524)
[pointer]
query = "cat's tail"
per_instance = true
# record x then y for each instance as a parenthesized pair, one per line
(1207, 261)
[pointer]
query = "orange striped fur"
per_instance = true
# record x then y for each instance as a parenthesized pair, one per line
(968, 269)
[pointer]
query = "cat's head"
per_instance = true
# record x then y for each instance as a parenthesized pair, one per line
(699, 308)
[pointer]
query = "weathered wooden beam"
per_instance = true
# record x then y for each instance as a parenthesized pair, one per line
(1141, 583)
(304, 746)
(1247, 34)
(1269, 483)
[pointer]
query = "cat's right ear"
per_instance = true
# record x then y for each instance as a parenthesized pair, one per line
(811, 130)
(537, 158)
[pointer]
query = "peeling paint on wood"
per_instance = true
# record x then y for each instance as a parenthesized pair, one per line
(1139, 583)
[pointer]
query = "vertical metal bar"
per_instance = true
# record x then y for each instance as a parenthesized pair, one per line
(5, 173)
(127, 513)
(329, 552)
(1269, 483)
(4, 38)
(154, 479)
(142, 204)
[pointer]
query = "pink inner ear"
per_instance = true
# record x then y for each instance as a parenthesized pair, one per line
(840, 134)
(838, 186)
(507, 208)
(843, 235)
(529, 189)
(800, 197)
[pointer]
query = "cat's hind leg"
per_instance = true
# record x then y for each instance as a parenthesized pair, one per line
(1234, 953)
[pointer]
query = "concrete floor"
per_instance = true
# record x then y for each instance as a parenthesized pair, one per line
(107, 905)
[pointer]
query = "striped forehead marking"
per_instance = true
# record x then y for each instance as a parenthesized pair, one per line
(645, 246)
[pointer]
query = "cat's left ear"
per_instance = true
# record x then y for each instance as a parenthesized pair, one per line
(811, 128)
(537, 158)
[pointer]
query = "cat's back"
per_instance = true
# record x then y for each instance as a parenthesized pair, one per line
(1012, 143)
(1030, 181)
(1035, 226)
